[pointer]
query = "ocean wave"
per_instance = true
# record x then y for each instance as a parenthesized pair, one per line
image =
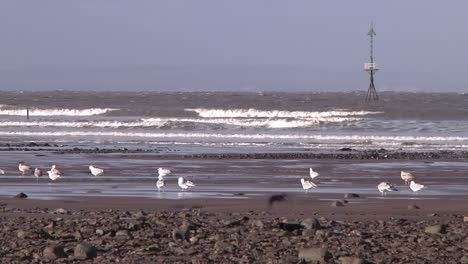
(350, 138)
(180, 122)
(7, 110)
(236, 113)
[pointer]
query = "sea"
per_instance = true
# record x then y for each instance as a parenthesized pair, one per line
(236, 121)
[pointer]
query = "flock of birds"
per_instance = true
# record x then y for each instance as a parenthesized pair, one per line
(54, 174)
(383, 187)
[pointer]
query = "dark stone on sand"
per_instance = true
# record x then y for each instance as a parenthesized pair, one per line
(436, 229)
(413, 207)
(346, 149)
(290, 226)
(351, 195)
(276, 198)
(337, 204)
(321, 255)
(85, 251)
(21, 195)
(53, 252)
(351, 260)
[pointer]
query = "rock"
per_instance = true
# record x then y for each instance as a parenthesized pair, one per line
(85, 251)
(351, 260)
(54, 252)
(310, 223)
(122, 234)
(413, 207)
(60, 211)
(99, 232)
(436, 229)
(337, 204)
(21, 234)
(315, 255)
(21, 195)
(290, 226)
(464, 259)
(180, 234)
(351, 195)
(258, 224)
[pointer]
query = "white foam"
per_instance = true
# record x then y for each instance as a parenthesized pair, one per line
(324, 138)
(274, 113)
(6, 110)
(174, 122)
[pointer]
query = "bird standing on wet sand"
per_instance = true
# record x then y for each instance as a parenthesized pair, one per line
(306, 185)
(406, 176)
(415, 187)
(160, 184)
(163, 171)
(184, 184)
(386, 187)
(54, 173)
(313, 174)
(24, 168)
(96, 171)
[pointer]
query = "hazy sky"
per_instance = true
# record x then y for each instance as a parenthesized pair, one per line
(230, 45)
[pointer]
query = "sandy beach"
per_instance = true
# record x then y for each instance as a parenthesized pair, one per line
(227, 217)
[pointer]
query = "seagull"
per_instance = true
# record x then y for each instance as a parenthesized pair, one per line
(164, 171)
(306, 185)
(184, 184)
(53, 176)
(160, 184)
(160, 177)
(415, 187)
(406, 176)
(2, 172)
(37, 172)
(24, 168)
(385, 186)
(54, 173)
(96, 171)
(313, 174)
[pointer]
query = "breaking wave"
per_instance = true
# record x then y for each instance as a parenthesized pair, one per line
(7, 110)
(274, 113)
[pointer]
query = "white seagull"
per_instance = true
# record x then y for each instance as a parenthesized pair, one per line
(96, 171)
(306, 185)
(24, 168)
(2, 172)
(386, 187)
(54, 173)
(184, 184)
(415, 187)
(163, 171)
(160, 184)
(313, 174)
(406, 176)
(37, 172)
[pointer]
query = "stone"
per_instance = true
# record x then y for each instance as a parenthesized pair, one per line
(53, 252)
(21, 195)
(337, 204)
(351, 195)
(258, 224)
(180, 234)
(85, 251)
(99, 232)
(436, 229)
(351, 260)
(290, 226)
(61, 211)
(21, 234)
(314, 255)
(464, 259)
(311, 223)
(413, 207)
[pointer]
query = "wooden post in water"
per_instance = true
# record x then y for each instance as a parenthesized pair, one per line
(27, 113)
